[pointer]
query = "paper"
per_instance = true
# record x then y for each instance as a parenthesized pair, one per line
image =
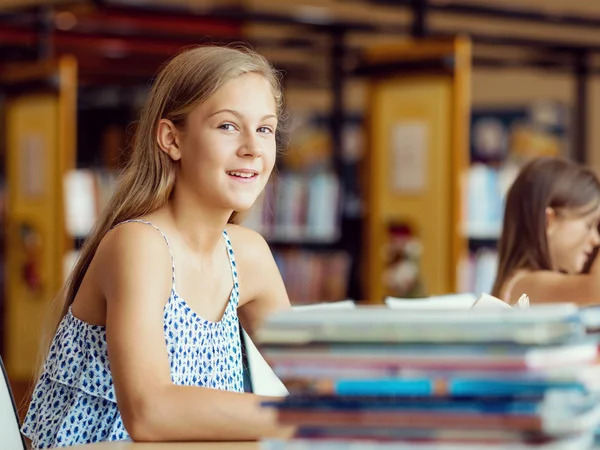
(409, 157)
(32, 165)
(523, 301)
(488, 301)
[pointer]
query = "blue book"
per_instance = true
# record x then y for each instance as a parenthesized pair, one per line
(454, 386)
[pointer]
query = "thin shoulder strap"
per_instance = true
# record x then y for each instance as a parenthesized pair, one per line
(166, 240)
(232, 263)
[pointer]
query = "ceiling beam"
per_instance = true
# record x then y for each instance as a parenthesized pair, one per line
(509, 13)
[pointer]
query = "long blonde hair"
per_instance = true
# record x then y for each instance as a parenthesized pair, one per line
(146, 182)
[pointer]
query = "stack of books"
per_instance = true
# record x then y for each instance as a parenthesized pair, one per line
(445, 379)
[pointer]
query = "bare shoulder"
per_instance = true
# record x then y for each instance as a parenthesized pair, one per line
(260, 280)
(538, 279)
(133, 253)
(545, 286)
(248, 244)
(133, 239)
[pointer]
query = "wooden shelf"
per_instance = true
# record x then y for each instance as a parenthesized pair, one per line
(418, 154)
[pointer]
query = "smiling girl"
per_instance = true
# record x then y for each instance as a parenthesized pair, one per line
(148, 343)
(550, 230)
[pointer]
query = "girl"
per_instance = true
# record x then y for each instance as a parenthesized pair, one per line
(550, 230)
(148, 346)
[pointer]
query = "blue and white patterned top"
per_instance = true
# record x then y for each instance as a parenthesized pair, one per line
(74, 399)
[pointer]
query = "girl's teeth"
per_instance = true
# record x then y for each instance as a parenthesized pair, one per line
(242, 175)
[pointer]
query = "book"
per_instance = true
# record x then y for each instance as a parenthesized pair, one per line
(436, 386)
(537, 324)
(489, 356)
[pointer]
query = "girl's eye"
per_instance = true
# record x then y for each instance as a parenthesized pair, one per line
(266, 130)
(227, 127)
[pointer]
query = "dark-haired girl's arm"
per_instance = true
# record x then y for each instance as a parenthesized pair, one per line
(555, 287)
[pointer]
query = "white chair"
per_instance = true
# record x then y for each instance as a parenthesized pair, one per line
(10, 434)
(263, 379)
(451, 301)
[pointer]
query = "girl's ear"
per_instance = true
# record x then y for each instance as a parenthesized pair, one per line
(167, 138)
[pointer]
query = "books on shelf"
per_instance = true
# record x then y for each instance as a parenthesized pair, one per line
(86, 193)
(294, 208)
(484, 202)
(298, 207)
(478, 271)
(314, 276)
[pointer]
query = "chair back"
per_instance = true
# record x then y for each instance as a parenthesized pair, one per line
(10, 433)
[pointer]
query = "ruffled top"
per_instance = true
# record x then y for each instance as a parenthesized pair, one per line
(74, 400)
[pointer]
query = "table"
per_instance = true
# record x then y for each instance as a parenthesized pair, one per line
(181, 446)
(170, 446)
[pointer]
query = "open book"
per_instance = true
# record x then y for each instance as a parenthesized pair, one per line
(489, 301)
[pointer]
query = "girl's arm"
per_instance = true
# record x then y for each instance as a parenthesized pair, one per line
(261, 286)
(134, 274)
(554, 287)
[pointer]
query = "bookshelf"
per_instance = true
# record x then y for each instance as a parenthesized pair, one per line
(419, 106)
(40, 118)
(59, 173)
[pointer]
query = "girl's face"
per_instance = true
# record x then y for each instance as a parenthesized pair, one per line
(571, 238)
(227, 148)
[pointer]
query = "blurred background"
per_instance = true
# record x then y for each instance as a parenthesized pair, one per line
(409, 121)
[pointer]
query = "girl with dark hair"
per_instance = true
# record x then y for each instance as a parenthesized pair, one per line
(549, 233)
